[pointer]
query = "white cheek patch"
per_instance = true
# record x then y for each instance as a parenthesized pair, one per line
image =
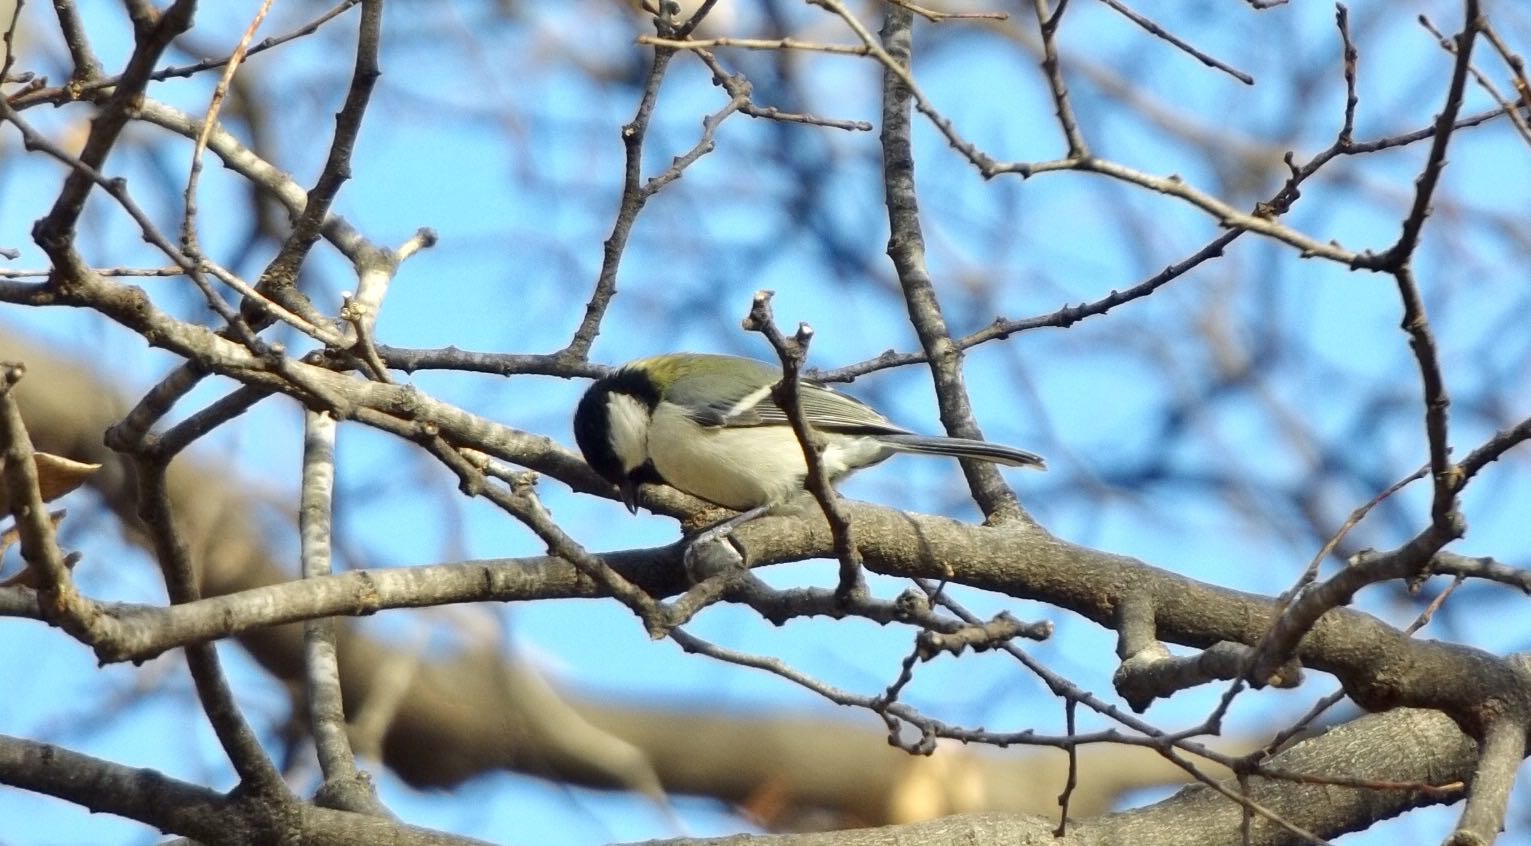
(629, 430)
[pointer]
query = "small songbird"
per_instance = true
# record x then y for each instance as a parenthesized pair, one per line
(707, 425)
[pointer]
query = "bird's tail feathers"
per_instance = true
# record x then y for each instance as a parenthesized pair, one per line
(964, 448)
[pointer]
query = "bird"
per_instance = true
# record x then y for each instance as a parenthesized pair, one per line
(708, 425)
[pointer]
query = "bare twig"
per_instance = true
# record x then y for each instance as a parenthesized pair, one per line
(209, 120)
(1001, 329)
(1160, 32)
(86, 67)
(906, 247)
(1517, 67)
(279, 277)
(634, 133)
(1047, 23)
(1397, 260)
(1483, 567)
(256, 772)
(92, 84)
(1310, 572)
(1072, 781)
(140, 272)
(345, 786)
(702, 147)
(937, 16)
(1324, 704)
(756, 44)
(1349, 57)
(8, 41)
(1492, 450)
(1501, 750)
(192, 267)
(54, 231)
(739, 88)
(1511, 110)
(60, 603)
(792, 353)
(520, 500)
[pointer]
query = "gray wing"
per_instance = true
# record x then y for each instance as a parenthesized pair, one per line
(724, 396)
(823, 408)
(831, 411)
(740, 400)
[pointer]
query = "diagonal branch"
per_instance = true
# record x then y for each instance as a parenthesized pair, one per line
(793, 352)
(906, 248)
(57, 228)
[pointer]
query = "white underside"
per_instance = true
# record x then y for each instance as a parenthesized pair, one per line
(743, 467)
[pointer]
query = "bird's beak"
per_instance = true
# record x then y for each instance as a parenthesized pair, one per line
(629, 490)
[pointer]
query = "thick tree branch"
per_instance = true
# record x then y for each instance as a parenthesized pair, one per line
(176, 807)
(1425, 749)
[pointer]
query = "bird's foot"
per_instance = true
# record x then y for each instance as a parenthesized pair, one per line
(711, 555)
(711, 552)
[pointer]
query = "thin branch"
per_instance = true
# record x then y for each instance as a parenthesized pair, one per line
(1002, 328)
(256, 772)
(1500, 753)
(58, 599)
(57, 228)
(229, 407)
(702, 11)
(1052, 69)
(1282, 737)
(938, 16)
(1298, 619)
(739, 88)
(520, 501)
(192, 267)
(1516, 64)
(704, 145)
(137, 272)
(906, 248)
(8, 41)
(1072, 781)
(1348, 56)
(345, 786)
(1310, 572)
(93, 84)
(189, 241)
(1482, 567)
(1492, 450)
(273, 180)
(792, 353)
(1238, 224)
(1160, 32)
(756, 44)
(86, 67)
(278, 279)
(1511, 110)
(634, 133)
(1397, 260)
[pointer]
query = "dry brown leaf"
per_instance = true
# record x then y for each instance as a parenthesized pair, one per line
(56, 476)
